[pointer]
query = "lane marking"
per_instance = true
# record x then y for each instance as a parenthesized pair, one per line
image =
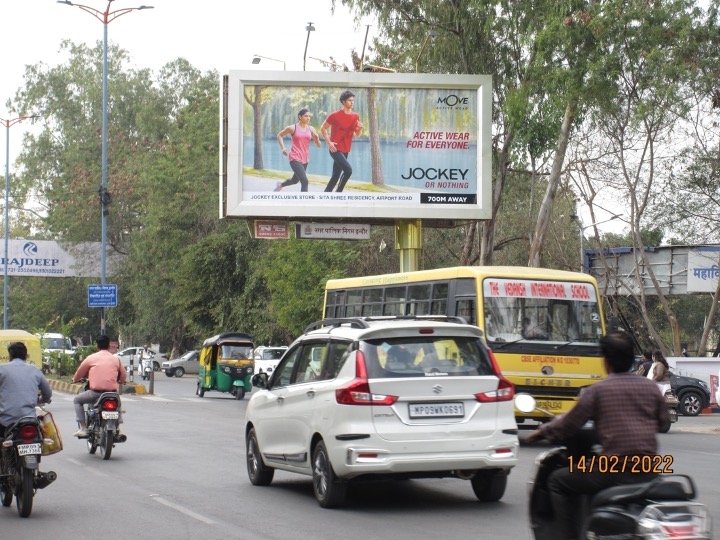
(182, 510)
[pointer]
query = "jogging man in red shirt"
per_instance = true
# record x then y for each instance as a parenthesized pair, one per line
(343, 125)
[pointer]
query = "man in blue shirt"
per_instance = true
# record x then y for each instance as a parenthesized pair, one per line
(19, 386)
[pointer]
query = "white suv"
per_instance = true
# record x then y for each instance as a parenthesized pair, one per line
(405, 397)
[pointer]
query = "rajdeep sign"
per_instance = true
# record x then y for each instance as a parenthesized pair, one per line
(47, 258)
(420, 146)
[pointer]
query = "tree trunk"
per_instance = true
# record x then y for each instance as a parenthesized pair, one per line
(375, 157)
(487, 232)
(545, 211)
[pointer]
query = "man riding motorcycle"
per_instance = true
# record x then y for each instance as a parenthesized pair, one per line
(19, 386)
(104, 373)
(627, 410)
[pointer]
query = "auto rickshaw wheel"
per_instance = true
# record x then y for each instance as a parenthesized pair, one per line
(201, 390)
(239, 392)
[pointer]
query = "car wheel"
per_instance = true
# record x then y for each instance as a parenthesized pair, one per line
(156, 366)
(168, 373)
(664, 428)
(259, 474)
(691, 403)
(489, 486)
(329, 491)
(179, 372)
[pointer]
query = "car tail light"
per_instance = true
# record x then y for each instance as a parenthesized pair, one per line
(27, 433)
(357, 391)
(109, 405)
(505, 389)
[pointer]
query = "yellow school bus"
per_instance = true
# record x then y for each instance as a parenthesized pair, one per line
(542, 325)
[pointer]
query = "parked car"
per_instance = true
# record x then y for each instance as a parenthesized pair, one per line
(134, 352)
(267, 358)
(187, 363)
(693, 394)
(393, 398)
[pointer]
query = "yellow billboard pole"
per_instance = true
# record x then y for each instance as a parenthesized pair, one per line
(408, 241)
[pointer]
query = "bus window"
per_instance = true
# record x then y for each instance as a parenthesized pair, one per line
(439, 299)
(395, 300)
(372, 303)
(465, 307)
(419, 299)
(353, 306)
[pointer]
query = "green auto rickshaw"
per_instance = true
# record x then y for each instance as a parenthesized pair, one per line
(226, 364)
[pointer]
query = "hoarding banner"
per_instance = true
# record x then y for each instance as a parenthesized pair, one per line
(332, 231)
(703, 270)
(378, 147)
(272, 230)
(46, 258)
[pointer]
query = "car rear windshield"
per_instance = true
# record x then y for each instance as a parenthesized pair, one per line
(272, 354)
(426, 356)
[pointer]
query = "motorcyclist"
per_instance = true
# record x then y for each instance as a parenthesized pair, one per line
(145, 361)
(104, 373)
(627, 410)
(19, 386)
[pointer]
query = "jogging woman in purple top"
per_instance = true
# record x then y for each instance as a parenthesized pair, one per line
(301, 134)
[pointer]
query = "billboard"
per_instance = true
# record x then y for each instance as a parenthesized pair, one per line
(47, 258)
(409, 146)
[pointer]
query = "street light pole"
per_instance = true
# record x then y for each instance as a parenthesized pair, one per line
(7, 124)
(582, 235)
(257, 57)
(309, 28)
(105, 17)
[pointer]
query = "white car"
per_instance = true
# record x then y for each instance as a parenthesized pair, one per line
(357, 399)
(267, 358)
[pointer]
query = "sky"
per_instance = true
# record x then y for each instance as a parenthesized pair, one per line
(211, 34)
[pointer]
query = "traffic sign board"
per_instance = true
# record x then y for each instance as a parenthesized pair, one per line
(102, 295)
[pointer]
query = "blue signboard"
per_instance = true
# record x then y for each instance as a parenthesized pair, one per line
(102, 295)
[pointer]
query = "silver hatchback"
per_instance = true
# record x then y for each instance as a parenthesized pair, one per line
(356, 399)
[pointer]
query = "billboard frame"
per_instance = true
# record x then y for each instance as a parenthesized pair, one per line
(232, 130)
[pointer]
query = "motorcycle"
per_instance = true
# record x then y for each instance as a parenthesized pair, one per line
(672, 403)
(659, 509)
(20, 473)
(102, 421)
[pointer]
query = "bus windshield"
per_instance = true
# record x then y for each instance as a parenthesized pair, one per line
(517, 310)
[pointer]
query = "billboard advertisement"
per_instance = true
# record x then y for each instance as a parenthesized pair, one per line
(374, 146)
(47, 258)
(703, 271)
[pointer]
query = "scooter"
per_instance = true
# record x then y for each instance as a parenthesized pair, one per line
(672, 403)
(660, 509)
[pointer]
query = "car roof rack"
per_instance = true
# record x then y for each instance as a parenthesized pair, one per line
(354, 322)
(362, 322)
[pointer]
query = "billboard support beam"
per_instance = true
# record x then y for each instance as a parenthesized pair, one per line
(408, 241)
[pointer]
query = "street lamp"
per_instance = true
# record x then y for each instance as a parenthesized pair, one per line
(309, 28)
(257, 57)
(105, 17)
(8, 124)
(582, 234)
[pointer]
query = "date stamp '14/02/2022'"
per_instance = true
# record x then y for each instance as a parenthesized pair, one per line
(635, 464)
